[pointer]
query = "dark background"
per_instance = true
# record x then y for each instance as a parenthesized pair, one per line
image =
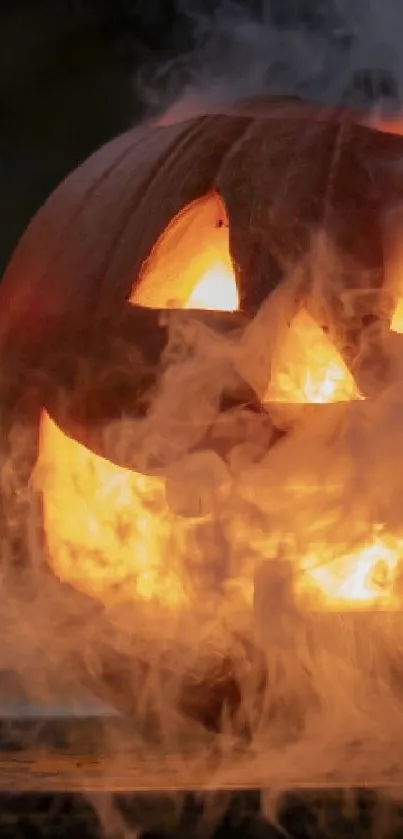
(73, 75)
(67, 84)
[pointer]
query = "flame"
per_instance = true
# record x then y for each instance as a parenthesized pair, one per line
(190, 265)
(366, 578)
(308, 368)
(102, 533)
(217, 290)
(110, 531)
(396, 323)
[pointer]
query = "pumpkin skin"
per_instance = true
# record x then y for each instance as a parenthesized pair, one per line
(281, 172)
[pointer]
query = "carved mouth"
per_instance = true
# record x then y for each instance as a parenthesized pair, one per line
(113, 375)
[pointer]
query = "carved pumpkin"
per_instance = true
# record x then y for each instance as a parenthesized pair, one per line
(287, 221)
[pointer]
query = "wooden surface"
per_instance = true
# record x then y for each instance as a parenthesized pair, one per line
(94, 751)
(35, 771)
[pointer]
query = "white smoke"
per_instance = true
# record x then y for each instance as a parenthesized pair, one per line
(334, 695)
(334, 51)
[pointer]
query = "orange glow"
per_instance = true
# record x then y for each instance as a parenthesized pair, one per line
(190, 265)
(216, 290)
(357, 580)
(110, 531)
(396, 323)
(102, 533)
(308, 368)
(392, 124)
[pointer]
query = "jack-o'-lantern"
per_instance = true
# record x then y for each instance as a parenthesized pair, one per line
(286, 222)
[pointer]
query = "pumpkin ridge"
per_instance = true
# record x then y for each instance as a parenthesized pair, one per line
(333, 166)
(193, 189)
(126, 216)
(234, 149)
(294, 163)
(11, 297)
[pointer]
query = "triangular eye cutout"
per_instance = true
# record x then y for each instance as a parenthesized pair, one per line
(308, 369)
(190, 266)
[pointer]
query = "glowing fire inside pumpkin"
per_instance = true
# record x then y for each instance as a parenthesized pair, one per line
(396, 323)
(111, 532)
(101, 528)
(319, 376)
